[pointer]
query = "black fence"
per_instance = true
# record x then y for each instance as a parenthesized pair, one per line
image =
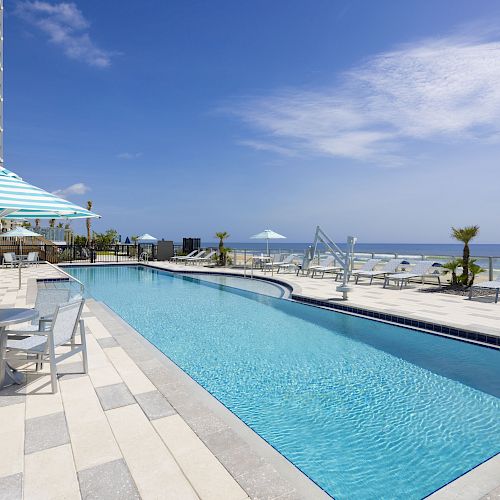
(75, 253)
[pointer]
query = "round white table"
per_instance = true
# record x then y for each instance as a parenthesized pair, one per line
(11, 316)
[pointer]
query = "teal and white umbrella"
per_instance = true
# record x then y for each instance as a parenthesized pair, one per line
(267, 235)
(20, 200)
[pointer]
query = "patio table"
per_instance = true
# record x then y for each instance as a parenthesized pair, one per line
(11, 316)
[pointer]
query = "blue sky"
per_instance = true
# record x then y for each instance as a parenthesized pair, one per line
(182, 118)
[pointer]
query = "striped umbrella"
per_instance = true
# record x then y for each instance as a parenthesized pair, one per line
(20, 200)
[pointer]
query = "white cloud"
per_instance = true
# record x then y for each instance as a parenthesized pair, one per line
(78, 188)
(66, 27)
(445, 89)
(266, 146)
(128, 156)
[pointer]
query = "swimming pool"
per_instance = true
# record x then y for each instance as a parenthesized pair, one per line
(365, 409)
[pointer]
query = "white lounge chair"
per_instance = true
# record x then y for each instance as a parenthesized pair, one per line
(289, 263)
(369, 265)
(304, 267)
(199, 255)
(204, 258)
(269, 265)
(389, 268)
(323, 262)
(330, 267)
(494, 286)
(421, 270)
(184, 257)
(61, 332)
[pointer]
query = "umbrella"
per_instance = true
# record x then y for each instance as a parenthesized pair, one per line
(20, 200)
(19, 233)
(147, 238)
(267, 235)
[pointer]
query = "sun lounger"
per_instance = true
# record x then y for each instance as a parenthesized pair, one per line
(288, 263)
(199, 255)
(202, 259)
(494, 286)
(389, 268)
(369, 265)
(323, 262)
(420, 270)
(184, 257)
(329, 267)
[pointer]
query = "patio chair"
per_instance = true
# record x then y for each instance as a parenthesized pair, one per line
(389, 268)
(32, 258)
(61, 332)
(421, 270)
(10, 259)
(289, 263)
(46, 302)
(494, 286)
(204, 258)
(184, 257)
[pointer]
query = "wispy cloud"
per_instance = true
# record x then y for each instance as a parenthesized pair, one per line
(66, 27)
(129, 156)
(267, 146)
(442, 89)
(78, 188)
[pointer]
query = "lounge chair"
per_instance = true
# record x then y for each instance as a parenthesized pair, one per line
(269, 265)
(323, 262)
(389, 268)
(304, 267)
(289, 263)
(204, 258)
(330, 267)
(62, 331)
(199, 255)
(420, 270)
(494, 286)
(184, 257)
(369, 265)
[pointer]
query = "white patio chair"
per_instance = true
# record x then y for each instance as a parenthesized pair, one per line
(46, 302)
(61, 332)
(199, 255)
(32, 258)
(10, 259)
(327, 261)
(290, 263)
(493, 286)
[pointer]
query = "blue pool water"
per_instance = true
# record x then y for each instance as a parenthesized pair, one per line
(365, 409)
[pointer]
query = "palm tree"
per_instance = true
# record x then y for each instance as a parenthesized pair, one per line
(222, 251)
(88, 222)
(465, 235)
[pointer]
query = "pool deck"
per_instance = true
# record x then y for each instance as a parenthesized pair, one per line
(138, 427)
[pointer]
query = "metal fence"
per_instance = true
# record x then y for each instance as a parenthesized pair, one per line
(236, 257)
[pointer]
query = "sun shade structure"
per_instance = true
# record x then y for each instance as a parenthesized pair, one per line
(20, 200)
(267, 235)
(147, 238)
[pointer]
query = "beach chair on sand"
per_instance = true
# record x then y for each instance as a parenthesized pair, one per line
(389, 268)
(421, 270)
(494, 286)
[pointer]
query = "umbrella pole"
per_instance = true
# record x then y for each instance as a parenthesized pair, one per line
(20, 260)
(267, 246)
